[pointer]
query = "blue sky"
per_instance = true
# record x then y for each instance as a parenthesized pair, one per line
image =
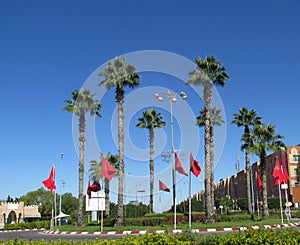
(50, 48)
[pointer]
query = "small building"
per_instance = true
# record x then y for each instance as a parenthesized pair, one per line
(17, 212)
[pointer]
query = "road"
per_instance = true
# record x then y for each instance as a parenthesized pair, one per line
(38, 235)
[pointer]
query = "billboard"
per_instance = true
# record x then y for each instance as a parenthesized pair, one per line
(96, 202)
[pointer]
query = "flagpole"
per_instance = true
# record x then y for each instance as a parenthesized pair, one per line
(257, 204)
(52, 213)
(280, 203)
(190, 204)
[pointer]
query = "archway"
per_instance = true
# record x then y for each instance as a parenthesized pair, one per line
(12, 217)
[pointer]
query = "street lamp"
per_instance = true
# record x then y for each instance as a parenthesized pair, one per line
(172, 99)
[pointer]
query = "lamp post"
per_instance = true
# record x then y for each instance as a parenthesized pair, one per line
(172, 99)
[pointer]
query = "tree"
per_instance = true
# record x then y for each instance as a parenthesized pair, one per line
(40, 197)
(247, 119)
(120, 75)
(264, 139)
(82, 102)
(96, 173)
(216, 120)
(209, 72)
(151, 120)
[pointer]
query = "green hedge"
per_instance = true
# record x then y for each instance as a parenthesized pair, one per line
(32, 225)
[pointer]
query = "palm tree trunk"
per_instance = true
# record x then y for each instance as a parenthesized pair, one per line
(106, 191)
(120, 210)
(207, 181)
(248, 181)
(212, 166)
(151, 141)
(81, 168)
(208, 203)
(264, 186)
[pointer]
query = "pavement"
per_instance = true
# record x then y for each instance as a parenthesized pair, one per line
(141, 232)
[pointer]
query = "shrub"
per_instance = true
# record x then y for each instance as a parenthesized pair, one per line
(31, 225)
(242, 203)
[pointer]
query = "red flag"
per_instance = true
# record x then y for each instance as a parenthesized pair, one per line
(277, 173)
(163, 187)
(108, 171)
(195, 168)
(258, 182)
(178, 166)
(283, 162)
(50, 182)
(94, 187)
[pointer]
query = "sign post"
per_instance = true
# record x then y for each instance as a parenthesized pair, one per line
(96, 203)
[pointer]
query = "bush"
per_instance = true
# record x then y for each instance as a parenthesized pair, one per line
(32, 225)
(274, 203)
(242, 203)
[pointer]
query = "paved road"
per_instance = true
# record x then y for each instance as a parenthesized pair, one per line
(38, 235)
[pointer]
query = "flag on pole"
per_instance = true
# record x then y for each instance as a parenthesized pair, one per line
(50, 182)
(283, 163)
(108, 171)
(178, 166)
(163, 187)
(195, 168)
(94, 187)
(258, 182)
(277, 173)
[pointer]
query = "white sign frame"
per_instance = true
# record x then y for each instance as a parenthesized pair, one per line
(96, 202)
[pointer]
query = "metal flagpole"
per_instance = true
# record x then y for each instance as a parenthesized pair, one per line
(190, 204)
(52, 213)
(280, 203)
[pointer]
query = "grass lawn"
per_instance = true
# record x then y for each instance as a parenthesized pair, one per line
(224, 224)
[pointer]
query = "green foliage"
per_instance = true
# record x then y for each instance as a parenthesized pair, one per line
(40, 197)
(197, 206)
(242, 203)
(289, 236)
(32, 225)
(274, 203)
(134, 211)
(227, 204)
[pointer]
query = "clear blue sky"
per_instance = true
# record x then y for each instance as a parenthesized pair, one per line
(50, 48)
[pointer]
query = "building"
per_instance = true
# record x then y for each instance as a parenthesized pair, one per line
(235, 186)
(13, 212)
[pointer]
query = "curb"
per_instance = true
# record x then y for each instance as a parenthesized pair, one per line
(142, 232)
(35, 229)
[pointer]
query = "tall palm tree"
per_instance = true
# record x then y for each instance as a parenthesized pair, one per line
(96, 173)
(247, 119)
(151, 120)
(209, 72)
(265, 139)
(120, 75)
(82, 102)
(216, 120)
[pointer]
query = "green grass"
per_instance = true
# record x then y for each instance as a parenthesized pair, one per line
(224, 224)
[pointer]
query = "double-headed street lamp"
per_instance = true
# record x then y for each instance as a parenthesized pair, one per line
(172, 99)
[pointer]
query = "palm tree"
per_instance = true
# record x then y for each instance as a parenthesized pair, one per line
(82, 102)
(209, 72)
(216, 120)
(96, 173)
(265, 139)
(120, 75)
(246, 119)
(151, 120)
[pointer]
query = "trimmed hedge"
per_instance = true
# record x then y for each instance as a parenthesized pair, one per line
(31, 225)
